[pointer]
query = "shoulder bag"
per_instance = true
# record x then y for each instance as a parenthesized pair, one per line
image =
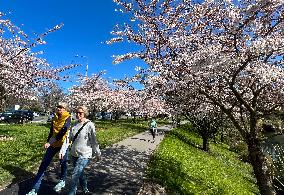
(76, 135)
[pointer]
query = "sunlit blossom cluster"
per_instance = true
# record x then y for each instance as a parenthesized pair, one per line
(22, 72)
(99, 95)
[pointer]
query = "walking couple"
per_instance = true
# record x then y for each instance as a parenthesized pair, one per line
(81, 139)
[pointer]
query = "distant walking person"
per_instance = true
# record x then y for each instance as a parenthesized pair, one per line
(84, 146)
(60, 125)
(153, 128)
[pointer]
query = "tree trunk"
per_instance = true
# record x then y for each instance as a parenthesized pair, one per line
(2, 99)
(205, 144)
(94, 112)
(222, 137)
(116, 116)
(146, 117)
(261, 167)
(178, 122)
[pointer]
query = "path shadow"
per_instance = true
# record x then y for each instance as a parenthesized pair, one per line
(160, 131)
(185, 139)
(119, 172)
(23, 181)
(19, 175)
(142, 139)
(18, 172)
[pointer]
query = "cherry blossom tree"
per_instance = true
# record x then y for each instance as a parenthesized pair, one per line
(144, 102)
(117, 97)
(49, 96)
(207, 121)
(229, 53)
(92, 92)
(22, 72)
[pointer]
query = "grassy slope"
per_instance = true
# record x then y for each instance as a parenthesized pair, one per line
(181, 166)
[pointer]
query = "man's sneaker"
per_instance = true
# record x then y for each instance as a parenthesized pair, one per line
(32, 192)
(59, 186)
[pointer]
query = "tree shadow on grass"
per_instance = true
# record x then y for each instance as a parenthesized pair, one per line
(18, 172)
(19, 175)
(173, 165)
(170, 173)
(185, 139)
(17, 169)
(23, 181)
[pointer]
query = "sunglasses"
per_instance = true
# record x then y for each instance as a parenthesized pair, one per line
(80, 113)
(60, 107)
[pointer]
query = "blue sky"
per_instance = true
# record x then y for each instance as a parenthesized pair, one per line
(87, 25)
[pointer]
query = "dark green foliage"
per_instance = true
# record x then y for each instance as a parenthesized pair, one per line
(241, 149)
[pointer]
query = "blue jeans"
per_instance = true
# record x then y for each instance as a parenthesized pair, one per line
(49, 154)
(79, 164)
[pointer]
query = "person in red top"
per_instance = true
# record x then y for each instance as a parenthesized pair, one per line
(60, 126)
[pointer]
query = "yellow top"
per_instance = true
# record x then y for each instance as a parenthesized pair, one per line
(57, 125)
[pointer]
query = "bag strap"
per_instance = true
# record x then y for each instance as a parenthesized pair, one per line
(76, 135)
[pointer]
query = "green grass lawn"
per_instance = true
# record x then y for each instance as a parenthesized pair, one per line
(21, 146)
(110, 132)
(183, 168)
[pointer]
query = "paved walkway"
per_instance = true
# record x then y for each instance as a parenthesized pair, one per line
(120, 171)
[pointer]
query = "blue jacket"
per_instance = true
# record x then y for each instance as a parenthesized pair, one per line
(153, 123)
